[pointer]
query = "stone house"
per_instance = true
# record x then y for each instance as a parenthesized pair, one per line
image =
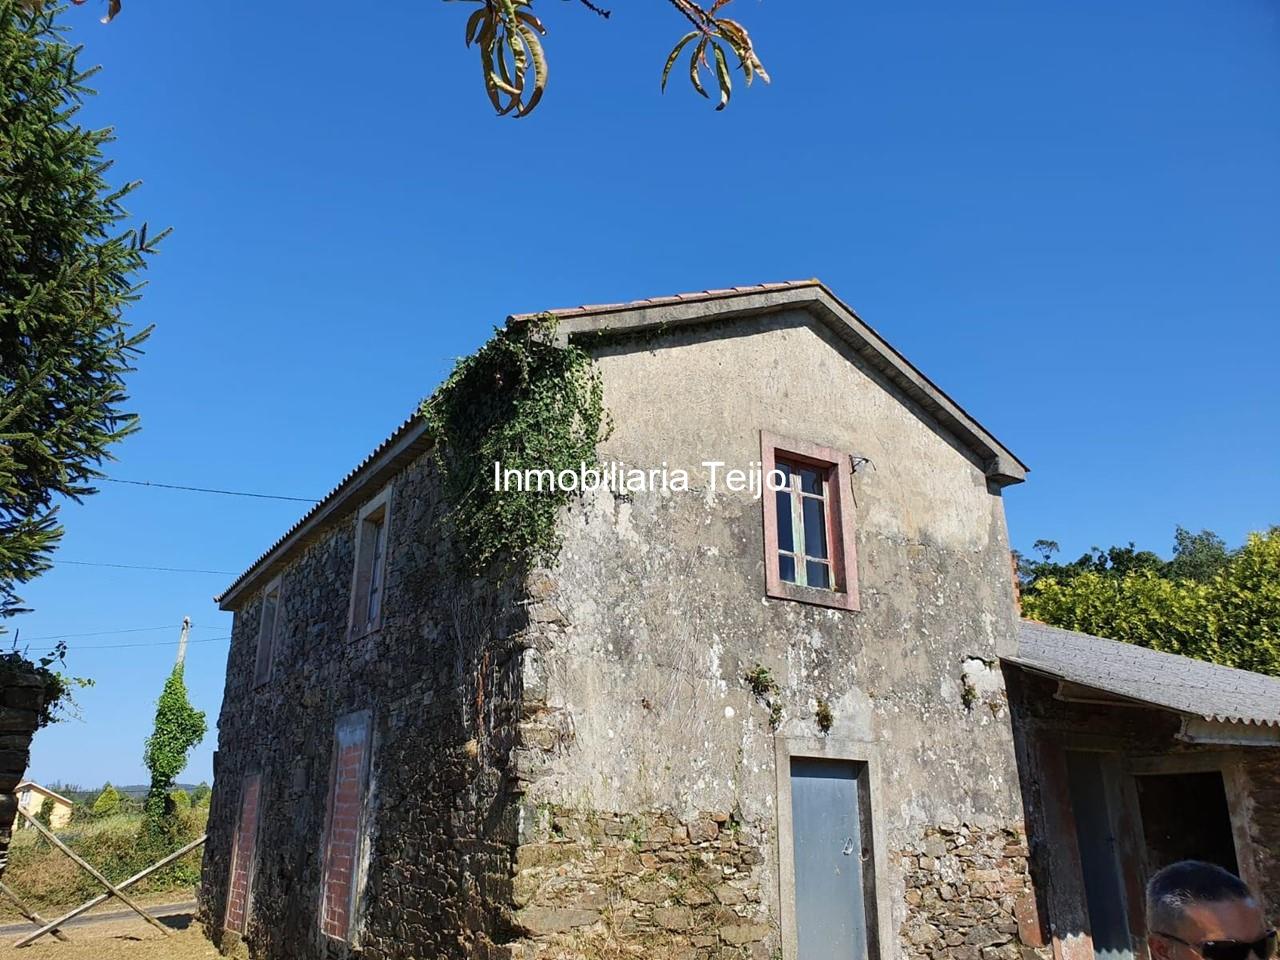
(725, 722)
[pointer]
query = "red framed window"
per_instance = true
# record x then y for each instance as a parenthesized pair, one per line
(243, 850)
(810, 554)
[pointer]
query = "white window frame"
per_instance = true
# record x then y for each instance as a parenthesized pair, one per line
(359, 623)
(265, 677)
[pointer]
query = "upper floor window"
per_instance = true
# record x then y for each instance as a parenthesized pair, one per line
(368, 588)
(267, 630)
(809, 546)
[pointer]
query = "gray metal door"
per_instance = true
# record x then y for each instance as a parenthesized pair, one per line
(1103, 887)
(830, 847)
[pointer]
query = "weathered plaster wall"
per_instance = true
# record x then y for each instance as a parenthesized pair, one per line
(660, 607)
(442, 680)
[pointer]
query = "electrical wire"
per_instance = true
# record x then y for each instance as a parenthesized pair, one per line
(105, 633)
(225, 493)
(130, 566)
(121, 646)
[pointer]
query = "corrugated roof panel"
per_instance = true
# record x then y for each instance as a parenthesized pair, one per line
(1166, 680)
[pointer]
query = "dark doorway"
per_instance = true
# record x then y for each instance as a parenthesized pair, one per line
(1185, 817)
(1099, 862)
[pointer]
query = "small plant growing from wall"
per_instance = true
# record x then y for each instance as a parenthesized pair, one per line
(775, 714)
(761, 681)
(824, 716)
(766, 690)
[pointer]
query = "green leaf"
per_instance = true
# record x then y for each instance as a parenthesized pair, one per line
(539, 70)
(693, 67)
(722, 75)
(675, 53)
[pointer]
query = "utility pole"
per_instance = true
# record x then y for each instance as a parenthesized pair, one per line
(182, 640)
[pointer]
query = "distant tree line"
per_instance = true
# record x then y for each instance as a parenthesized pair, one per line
(1208, 601)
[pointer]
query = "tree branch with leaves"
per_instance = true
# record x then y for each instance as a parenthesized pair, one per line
(508, 37)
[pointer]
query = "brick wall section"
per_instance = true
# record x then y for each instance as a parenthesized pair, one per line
(969, 895)
(342, 849)
(242, 858)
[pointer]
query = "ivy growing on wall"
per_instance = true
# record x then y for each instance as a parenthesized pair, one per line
(179, 727)
(528, 403)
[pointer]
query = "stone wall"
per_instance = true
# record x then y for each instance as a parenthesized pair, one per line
(22, 695)
(592, 885)
(968, 895)
(658, 607)
(443, 680)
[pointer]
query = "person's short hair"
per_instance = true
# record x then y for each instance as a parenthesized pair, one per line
(1181, 884)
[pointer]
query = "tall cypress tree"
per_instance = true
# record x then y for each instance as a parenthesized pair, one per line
(69, 267)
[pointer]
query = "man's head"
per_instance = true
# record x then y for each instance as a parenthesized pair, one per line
(1196, 910)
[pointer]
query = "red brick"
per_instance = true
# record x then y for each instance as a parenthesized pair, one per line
(242, 851)
(346, 798)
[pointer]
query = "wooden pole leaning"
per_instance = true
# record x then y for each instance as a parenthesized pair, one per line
(30, 914)
(102, 897)
(93, 872)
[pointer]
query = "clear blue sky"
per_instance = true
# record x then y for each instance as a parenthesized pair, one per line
(1067, 212)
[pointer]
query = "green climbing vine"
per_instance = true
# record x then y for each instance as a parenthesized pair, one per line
(179, 727)
(528, 403)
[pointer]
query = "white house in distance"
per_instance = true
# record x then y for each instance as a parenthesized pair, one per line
(31, 797)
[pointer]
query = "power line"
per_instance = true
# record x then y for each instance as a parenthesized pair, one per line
(104, 633)
(121, 646)
(225, 493)
(130, 566)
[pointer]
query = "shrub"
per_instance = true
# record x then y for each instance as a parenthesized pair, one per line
(108, 802)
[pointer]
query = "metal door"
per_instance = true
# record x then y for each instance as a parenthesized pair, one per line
(830, 853)
(1103, 887)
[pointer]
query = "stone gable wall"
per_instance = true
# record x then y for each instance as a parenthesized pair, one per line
(968, 896)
